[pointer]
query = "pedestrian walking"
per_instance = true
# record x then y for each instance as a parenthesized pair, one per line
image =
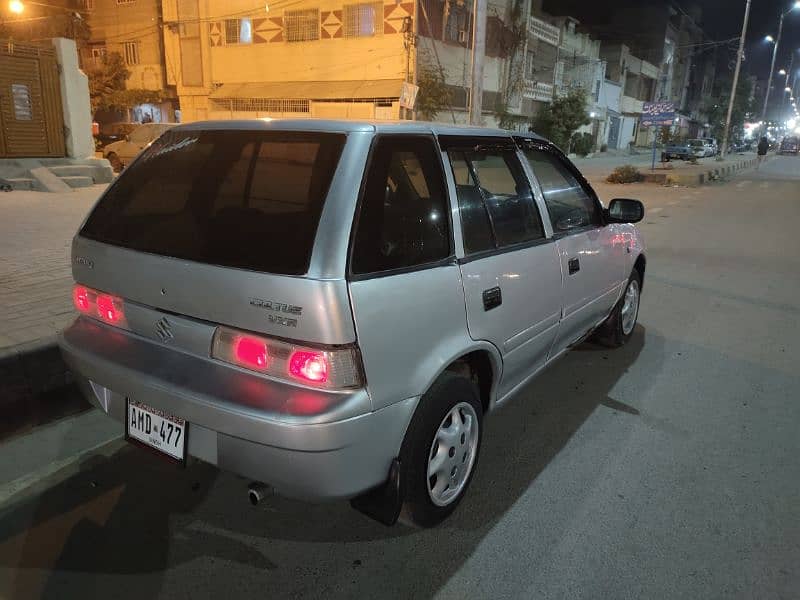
(763, 146)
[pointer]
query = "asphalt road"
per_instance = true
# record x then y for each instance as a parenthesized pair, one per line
(666, 469)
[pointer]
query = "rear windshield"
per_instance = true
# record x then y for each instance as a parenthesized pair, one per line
(243, 199)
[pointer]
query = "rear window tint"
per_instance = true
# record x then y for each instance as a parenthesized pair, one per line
(244, 199)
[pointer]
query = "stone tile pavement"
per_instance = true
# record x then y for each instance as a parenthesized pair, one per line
(36, 230)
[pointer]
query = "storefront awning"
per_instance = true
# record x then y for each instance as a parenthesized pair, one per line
(312, 90)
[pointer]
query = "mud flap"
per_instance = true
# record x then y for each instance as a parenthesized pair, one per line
(383, 503)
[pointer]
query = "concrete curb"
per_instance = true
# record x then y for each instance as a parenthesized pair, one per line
(707, 175)
(31, 369)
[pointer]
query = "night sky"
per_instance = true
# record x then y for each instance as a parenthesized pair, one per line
(722, 19)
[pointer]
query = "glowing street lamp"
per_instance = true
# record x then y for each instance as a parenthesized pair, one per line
(16, 7)
(769, 38)
(782, 72)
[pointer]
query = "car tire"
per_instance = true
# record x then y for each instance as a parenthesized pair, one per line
(445, 430)
(115, 161)
(618, 328)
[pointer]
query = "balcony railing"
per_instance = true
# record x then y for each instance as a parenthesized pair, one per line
(544, 31)
(536, 90)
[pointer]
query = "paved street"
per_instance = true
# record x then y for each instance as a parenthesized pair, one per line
(666, 469)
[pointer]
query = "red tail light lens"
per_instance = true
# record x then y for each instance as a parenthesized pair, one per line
(251, 352)
(309, 366)
(335, 368)
(99, 305)
(80, 297)
(109, 308)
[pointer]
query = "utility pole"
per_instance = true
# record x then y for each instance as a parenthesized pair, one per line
(739, 57)
(478, 56)
(772, 69)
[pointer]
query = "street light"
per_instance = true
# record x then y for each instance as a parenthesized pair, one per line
(16, 7)
(795, 6)
(782, 72)
(769, 39)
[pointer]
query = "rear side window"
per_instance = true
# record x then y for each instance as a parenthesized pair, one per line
(494, 199)
(244, 199)
(403, 220)
(569, 204)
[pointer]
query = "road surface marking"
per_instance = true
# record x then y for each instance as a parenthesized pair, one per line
(657, 209)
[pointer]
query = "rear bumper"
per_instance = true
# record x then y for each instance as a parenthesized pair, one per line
(237, 420)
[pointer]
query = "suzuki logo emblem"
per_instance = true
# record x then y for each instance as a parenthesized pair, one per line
(164, 330)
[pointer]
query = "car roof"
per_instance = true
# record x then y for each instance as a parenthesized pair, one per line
(348, 126)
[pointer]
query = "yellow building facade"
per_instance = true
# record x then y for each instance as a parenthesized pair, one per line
(289, 58)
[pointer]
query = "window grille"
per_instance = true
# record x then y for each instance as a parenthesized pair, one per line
(301, 25)
(131, 53)
(362, 20)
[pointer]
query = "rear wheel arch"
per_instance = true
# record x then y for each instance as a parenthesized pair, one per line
(640, 266)
(481, 368)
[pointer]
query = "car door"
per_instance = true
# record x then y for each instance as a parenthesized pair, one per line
(509, 266)
(591, 255)
(137, 141)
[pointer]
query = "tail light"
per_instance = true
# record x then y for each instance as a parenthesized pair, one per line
(333, 368)
(99, 305)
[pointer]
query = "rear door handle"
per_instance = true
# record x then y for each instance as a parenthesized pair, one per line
(492, 298)
(574, 265)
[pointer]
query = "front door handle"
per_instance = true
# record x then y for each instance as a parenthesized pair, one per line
(492, 298)
(574, 265)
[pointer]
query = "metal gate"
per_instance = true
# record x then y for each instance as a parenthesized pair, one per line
(31, 118)
(613, 132)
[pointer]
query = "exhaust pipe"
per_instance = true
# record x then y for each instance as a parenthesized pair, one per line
(256, 491)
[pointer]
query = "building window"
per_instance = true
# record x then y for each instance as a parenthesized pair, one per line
(530, 67)
(21, 97)
(362, 20)
(457, 27)
(238, 31)
(261, 105)
(88, 5)
(131, 53)
(125, 1)
(301, 25)
(99, 55)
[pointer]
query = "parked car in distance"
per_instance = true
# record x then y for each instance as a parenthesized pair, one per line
(699, 148)
(113, 132)
(789, 145)
(712, 146)
(681, 150)
(122, 152)
(331, 308)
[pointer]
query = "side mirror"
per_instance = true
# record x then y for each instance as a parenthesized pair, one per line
(624, 210)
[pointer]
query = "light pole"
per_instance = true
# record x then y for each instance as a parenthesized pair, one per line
(739, 56)
(796, 5)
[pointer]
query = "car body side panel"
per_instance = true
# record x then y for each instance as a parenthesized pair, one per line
(410, 327)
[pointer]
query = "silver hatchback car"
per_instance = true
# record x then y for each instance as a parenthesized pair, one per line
(330, 308)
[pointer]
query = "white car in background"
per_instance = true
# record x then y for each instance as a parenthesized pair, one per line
(121, 153)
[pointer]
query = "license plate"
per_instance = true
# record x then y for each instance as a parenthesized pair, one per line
(156, 429)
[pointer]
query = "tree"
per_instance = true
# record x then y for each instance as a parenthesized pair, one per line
(717, 109)
(562, 117)
(107, 87)
(434, 95)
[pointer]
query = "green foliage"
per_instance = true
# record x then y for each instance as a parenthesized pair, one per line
(562, 117)
(582, 143)
(107, 87)
(434, 95)
(664, 135)
(624, 174)
(717, 109)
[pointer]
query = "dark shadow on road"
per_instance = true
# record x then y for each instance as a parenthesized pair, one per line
(133, 514)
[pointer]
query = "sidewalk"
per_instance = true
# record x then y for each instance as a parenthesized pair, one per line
(36, 230)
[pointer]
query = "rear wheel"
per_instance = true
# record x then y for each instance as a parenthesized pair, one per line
(618, 328)
(440, 450)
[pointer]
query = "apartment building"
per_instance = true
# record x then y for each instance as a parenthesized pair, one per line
(131, 28)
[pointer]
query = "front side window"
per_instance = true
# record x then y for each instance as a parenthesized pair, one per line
(494, 198)
(250, 200)
(301, 25)
(403, 219)
(569, 204)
